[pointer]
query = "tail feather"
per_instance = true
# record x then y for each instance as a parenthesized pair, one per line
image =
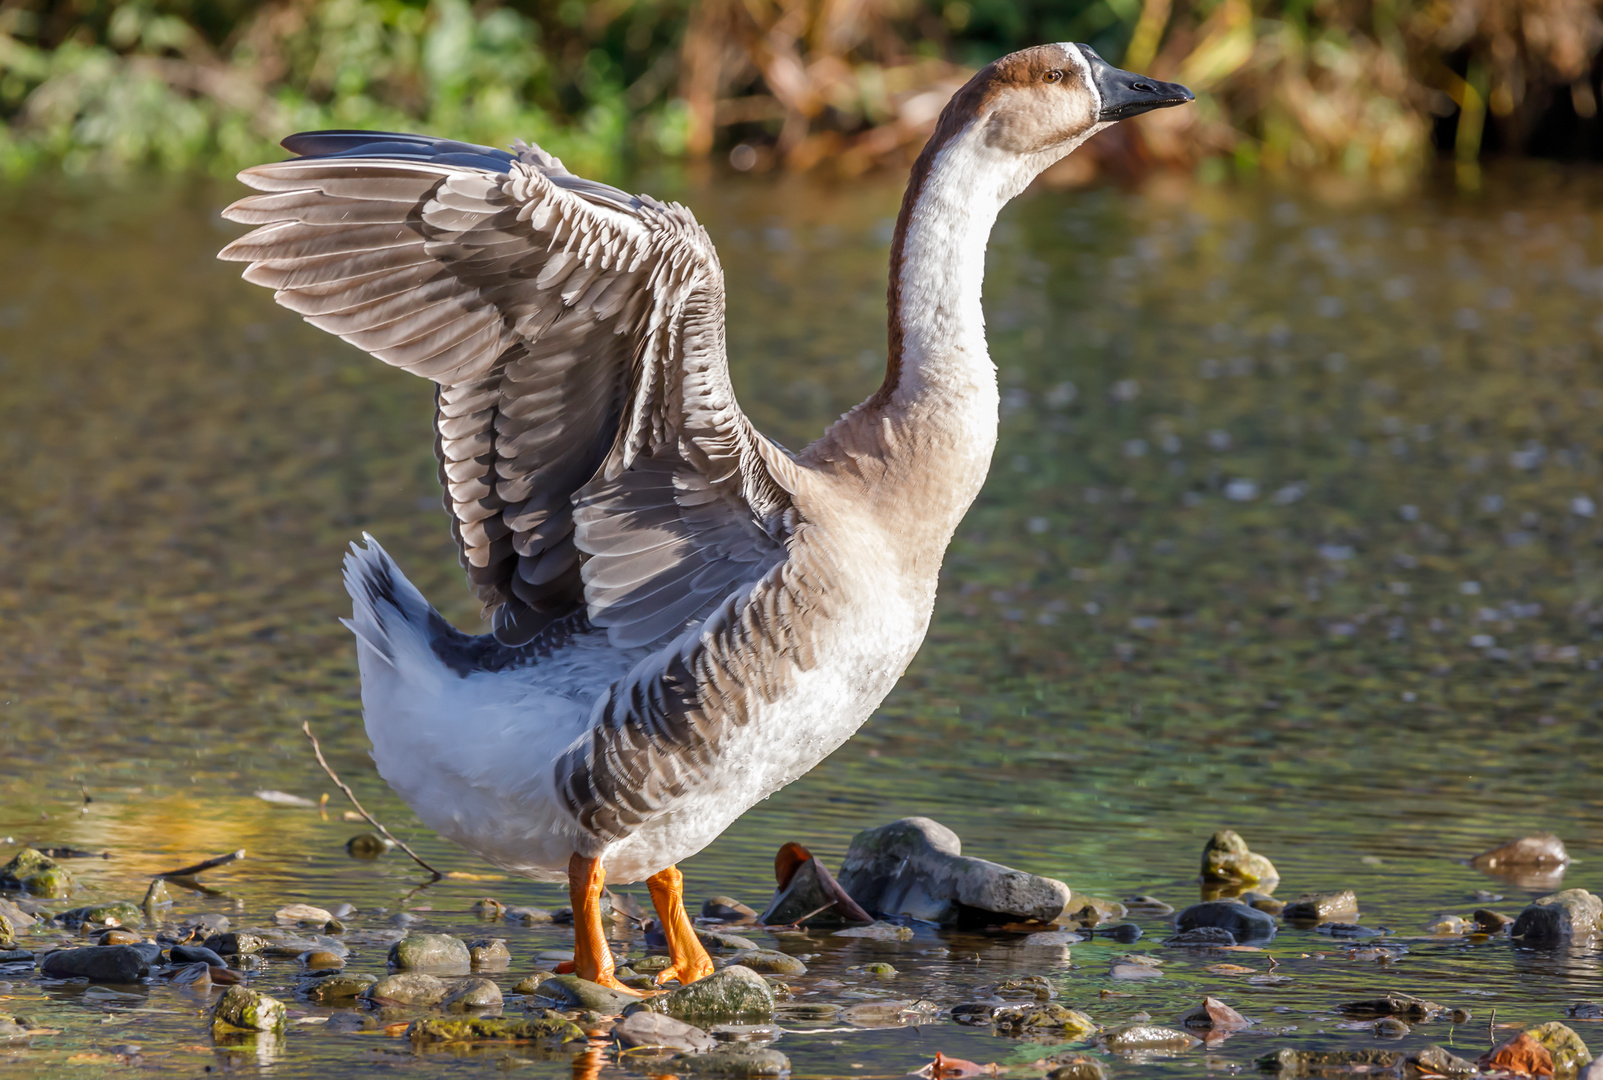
(383, 603)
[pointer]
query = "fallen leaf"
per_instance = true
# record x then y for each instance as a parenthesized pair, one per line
(1229, 969)
(947, 1068)
(395, 1031)
(1521, 1055)
(283, 798)
(786, 861)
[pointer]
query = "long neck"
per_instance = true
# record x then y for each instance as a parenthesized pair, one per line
(937, 325)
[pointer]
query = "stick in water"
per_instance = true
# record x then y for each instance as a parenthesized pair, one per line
(351, 795)
(209, 864)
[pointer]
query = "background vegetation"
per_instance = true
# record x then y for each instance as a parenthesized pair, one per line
(116, 85)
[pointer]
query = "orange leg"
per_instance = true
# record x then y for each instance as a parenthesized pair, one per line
(592, 959)
(690, 960)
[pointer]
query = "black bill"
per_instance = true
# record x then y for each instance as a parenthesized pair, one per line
(1126, 94)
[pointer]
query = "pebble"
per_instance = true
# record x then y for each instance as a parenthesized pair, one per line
(1146, 1037)
(1585, 1010)
(769, 962)
(879, 931)
(431, 952)
(1393, 1004)
(1348, 930)
(883, 971)
(1247, 924)
(1202, 937)
(320, 958)
(1079, 1067)
(196, 976)
(407, 988)
(120, 937)
(367, 846)
(1149, 907)
(473, 992)
(1034, 987)
(735, 993)
(528, 916)
(1389, 1027)
(1124, 933)
(489, 908)
(1263, 902)
(1018, 1019)
(335, 988)
(1214, 1015)
(97, 963)
(298, 913)
(1491, 922)
(116, 913)
(236, 944)
(247, 1010)
(1536, 849)
(644, 1029)
(491, 953)
(12, 1031)
(1126, 970)
(716, 940)
(1321, 907)
(1439, 1061)
(818, 1011)
(739, 1059)
(196, 954)
(1051, 939)
(1318, 1062)
(36, 874)
(570, 990)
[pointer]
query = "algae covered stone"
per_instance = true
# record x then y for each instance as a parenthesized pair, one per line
(116, 913)
(1226, 857)
(243, 1009)
(332, 988)
(431, 952)
(547, 1029)
(1054, 1018)
(735, 993)
(1568, 1050)
(36, 874)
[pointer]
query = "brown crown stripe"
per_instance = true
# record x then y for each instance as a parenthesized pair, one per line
(1013, 71)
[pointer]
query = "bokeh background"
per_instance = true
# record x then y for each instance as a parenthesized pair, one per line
(842, 86)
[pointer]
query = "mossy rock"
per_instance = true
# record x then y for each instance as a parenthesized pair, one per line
(1018, 1019)
(8, 933)
(118, 912)
(1226, 857)
(36, 874)
(547, 1029)
(1568, 1050)
(332, 988)
(243, 1009)
(431, 952)
(531, 983)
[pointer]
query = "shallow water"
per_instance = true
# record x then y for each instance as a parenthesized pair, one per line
(1293, 528)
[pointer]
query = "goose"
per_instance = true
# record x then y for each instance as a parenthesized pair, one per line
(684, 616)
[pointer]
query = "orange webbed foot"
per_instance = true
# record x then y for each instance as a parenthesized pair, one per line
(686, 971)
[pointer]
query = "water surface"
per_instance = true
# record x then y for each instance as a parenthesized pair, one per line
(1293, 528)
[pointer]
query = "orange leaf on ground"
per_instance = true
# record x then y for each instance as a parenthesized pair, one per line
(791, 856)
(1521, 1055)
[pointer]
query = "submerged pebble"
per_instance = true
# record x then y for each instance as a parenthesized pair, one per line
(658, 1031)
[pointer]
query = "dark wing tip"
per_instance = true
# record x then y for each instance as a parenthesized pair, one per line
(397, 146)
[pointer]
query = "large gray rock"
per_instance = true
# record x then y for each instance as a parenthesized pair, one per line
(916, 867)
(1244, 923)
(735, 993)
(1571, 915)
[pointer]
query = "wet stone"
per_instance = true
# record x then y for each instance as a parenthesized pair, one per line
(528, 916)
(1315, 1062)
(1389, 1027)
(1225, 857)
(1321, 907)
(1246, 924)
(244, 1009)
(491, 953)
(97, 963)
(196, 976)
(236, 944)
(769, 962)
(1079, 1067)
(1449, 925)
(1051, 939)
(735, 993)
(366, 846)
(303, 913)
(650, 1030)
(36, 874)
(880, 931)
(546, 1029)
(816, 1011)
(1537, 849)
(473, 992)
(572, 991)
(407, 988)
(719, 941)
(19, 919)
(726, 909)
(120, 937)
(1262, 902)
(1202, 937)
(1573, 914)
(1147, 907)
(15, 956)
(1034, 987)
(195, 954)
(1146, 1037)
(915, 867)
(1124, 933)
(650, 965)
(116, 913)
(431, 952)
(1568, 1049)
(1069, 1023)
(1348, 930)
(12, 1031)
(340, 988)
(320, 958)
(1491, 922)
(8, 933)
(737, 1059)
(1439, 1061)
(1405, 1006)
(489, 908)
(1585, 1010)
(883, 971)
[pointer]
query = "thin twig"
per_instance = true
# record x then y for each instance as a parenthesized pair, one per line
(351, 795)
(209, 864)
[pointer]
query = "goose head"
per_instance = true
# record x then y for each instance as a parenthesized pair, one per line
(1031, 108)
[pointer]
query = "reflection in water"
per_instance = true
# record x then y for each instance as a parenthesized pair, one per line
(1293, 528)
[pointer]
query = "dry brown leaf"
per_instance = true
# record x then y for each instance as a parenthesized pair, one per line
(1521, 1056)
(950, 1068)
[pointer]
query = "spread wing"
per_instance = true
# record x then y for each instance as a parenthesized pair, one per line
(591, 448)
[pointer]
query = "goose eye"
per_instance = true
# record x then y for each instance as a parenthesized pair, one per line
(1054, 76)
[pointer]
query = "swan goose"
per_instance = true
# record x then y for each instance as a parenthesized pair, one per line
(686, 617)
